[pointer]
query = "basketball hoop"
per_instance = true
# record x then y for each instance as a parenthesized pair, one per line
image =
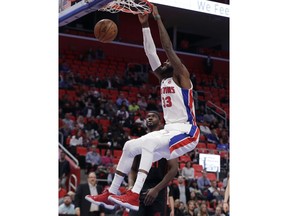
(128, 6)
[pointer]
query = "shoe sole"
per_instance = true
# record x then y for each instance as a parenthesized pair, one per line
(100, 203)
(127, 205)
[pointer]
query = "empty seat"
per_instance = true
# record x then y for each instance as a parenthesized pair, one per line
(202, 138)
(82, 151)
(115, 160)
(211, 176)
(211, 146)
(104, 122)
(201, 145)
(184, 158)
(117, 153)
(181, 165)
(204, 151)
(197, 167)
(94, 142)
(197, 174)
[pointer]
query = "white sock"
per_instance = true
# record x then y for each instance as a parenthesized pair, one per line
(116, 183)
(141, 177)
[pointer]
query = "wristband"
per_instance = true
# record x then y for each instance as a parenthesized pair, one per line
(157, 17)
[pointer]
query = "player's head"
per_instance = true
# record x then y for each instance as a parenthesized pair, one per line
(167, 69)
(153, 120)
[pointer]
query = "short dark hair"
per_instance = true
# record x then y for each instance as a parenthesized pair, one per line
(155, 112)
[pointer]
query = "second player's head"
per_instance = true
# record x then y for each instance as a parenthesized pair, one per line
(153, 120)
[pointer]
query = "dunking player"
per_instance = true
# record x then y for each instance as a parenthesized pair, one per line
(180, 134)
(153, 196)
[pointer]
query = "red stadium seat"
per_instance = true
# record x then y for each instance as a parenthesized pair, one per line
(201, 145)
(220, 184)
(211, 176)
(181, 165)
(117, 153)
(68, 141)
(224, 154)
(104, 122)
(211, 146)
(115, 160)
(104, 91)
(197, 167)
(82, 151)
(184, 158)
(197, 174)
(204, 151)
(95, 142)
(202, 138)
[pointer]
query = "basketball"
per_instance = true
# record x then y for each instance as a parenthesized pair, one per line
(105, 30)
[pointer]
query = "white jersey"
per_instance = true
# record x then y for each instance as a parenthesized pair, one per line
(179, 136)
(177, 103)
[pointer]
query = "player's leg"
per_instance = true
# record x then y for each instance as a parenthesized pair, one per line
(151, 151)
(130, 150)
(150, 144)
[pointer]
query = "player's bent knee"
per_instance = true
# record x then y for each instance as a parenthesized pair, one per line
(132, 148)
(128, 145)
(150, 144)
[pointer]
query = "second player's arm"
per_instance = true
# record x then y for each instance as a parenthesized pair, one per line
(171, 173)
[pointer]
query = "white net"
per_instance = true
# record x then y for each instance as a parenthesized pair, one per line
(128, 6)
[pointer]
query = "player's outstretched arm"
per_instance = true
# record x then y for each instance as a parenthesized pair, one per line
(181, 74)
(171, 173)
(149, 46)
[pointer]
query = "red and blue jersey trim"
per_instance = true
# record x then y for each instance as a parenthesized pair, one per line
(188, 102)
(184, 139)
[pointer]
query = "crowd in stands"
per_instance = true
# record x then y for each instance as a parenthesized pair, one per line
(91, 118)
(196, 197)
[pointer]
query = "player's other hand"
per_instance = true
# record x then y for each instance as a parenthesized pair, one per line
(154, 10)
(151, 195)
